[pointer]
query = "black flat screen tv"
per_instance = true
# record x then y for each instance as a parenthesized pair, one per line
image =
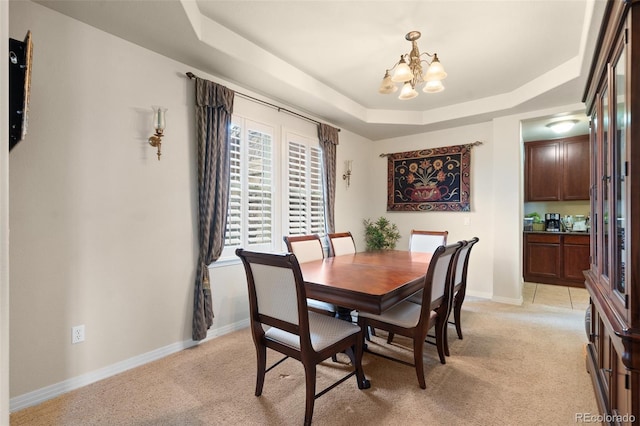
(20, 56)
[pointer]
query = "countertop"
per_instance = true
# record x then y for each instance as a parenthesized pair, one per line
(558, 233)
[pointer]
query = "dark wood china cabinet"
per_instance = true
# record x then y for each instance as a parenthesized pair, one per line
(612, 99)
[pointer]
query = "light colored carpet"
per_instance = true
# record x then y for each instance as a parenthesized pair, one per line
(521, 365)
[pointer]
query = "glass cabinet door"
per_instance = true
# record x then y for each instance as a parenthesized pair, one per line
(620, 173)
(605, 176)
(593, 192)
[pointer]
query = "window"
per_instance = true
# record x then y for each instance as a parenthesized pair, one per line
(251, 189)
(269, 198)
(305, 198)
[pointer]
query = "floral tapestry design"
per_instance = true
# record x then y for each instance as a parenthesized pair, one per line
(435, 179)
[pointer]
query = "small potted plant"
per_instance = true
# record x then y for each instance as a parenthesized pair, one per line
(381, 234)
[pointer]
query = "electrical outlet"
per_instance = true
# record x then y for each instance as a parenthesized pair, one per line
(77, 334)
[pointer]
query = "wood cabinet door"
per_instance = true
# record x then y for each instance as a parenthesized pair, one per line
(542, 258)
(575, 253)
(543, 171)
(575, 169)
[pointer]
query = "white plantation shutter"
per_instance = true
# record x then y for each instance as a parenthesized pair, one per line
(316, 207)
(297, 189)
(250, 212)
(233, 233)
(260, 188)
(305, 192)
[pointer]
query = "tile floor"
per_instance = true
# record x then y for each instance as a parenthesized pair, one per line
(554, 295)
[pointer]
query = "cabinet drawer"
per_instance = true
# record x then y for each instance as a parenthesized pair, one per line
(543, 238)
(581, 240)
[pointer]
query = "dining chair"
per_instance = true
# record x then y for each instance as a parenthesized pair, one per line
(427, 241)
(415, 320)
(281, 321)
(342, 243)
(460, 283)
(308, 248)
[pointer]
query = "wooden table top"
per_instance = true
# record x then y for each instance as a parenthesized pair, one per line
(367, 281)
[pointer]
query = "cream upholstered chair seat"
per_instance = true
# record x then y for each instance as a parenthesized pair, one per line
(324, 332)
(404, 314)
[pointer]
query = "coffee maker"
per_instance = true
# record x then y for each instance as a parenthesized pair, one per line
(552, 222)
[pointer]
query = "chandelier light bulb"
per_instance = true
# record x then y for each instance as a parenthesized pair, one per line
(403, 72)
(433, 86)
(435, 70)
(407, 92)
(387, 86)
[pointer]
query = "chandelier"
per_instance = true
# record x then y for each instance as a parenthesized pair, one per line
(408, 71)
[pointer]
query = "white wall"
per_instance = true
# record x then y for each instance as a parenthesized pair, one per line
(102, 233)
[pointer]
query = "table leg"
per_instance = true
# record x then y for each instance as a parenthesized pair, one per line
(344, 314)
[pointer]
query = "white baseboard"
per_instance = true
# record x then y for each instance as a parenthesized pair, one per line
(48, 392)
(480, 294)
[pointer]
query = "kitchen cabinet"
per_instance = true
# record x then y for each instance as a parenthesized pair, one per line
(556, 258)
(557, 169)
(612, 98)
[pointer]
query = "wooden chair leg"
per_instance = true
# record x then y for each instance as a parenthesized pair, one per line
(418, 347)
(261, 352)
(355, 354)
(310, 380)
(456, 316)
(390, 338)
(440, 327)
(445, 338)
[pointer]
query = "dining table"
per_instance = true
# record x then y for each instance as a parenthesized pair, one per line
(371, 281)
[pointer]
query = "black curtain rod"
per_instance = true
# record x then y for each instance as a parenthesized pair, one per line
(280, 109)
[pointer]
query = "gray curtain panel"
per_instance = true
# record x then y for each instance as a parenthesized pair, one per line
(328, 142)
(214, 106)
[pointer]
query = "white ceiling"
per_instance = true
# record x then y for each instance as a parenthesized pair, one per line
(327, 58)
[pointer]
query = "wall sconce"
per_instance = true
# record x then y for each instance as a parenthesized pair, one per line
(347, 175)
(159, 124)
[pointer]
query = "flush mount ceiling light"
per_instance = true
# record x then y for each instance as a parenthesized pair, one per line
(408, 71)
(562, 126)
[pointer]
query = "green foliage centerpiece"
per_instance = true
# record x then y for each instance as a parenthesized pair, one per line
(381, 234)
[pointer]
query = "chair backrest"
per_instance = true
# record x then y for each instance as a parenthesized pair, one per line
(305, 247)
(462, 263)
(438, 286)
(427, 241)
(277, 296)
(342, 243)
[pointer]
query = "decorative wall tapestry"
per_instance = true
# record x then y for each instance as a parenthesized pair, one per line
(435, 179)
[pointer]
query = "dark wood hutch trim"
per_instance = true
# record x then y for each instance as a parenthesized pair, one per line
(613, 352)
